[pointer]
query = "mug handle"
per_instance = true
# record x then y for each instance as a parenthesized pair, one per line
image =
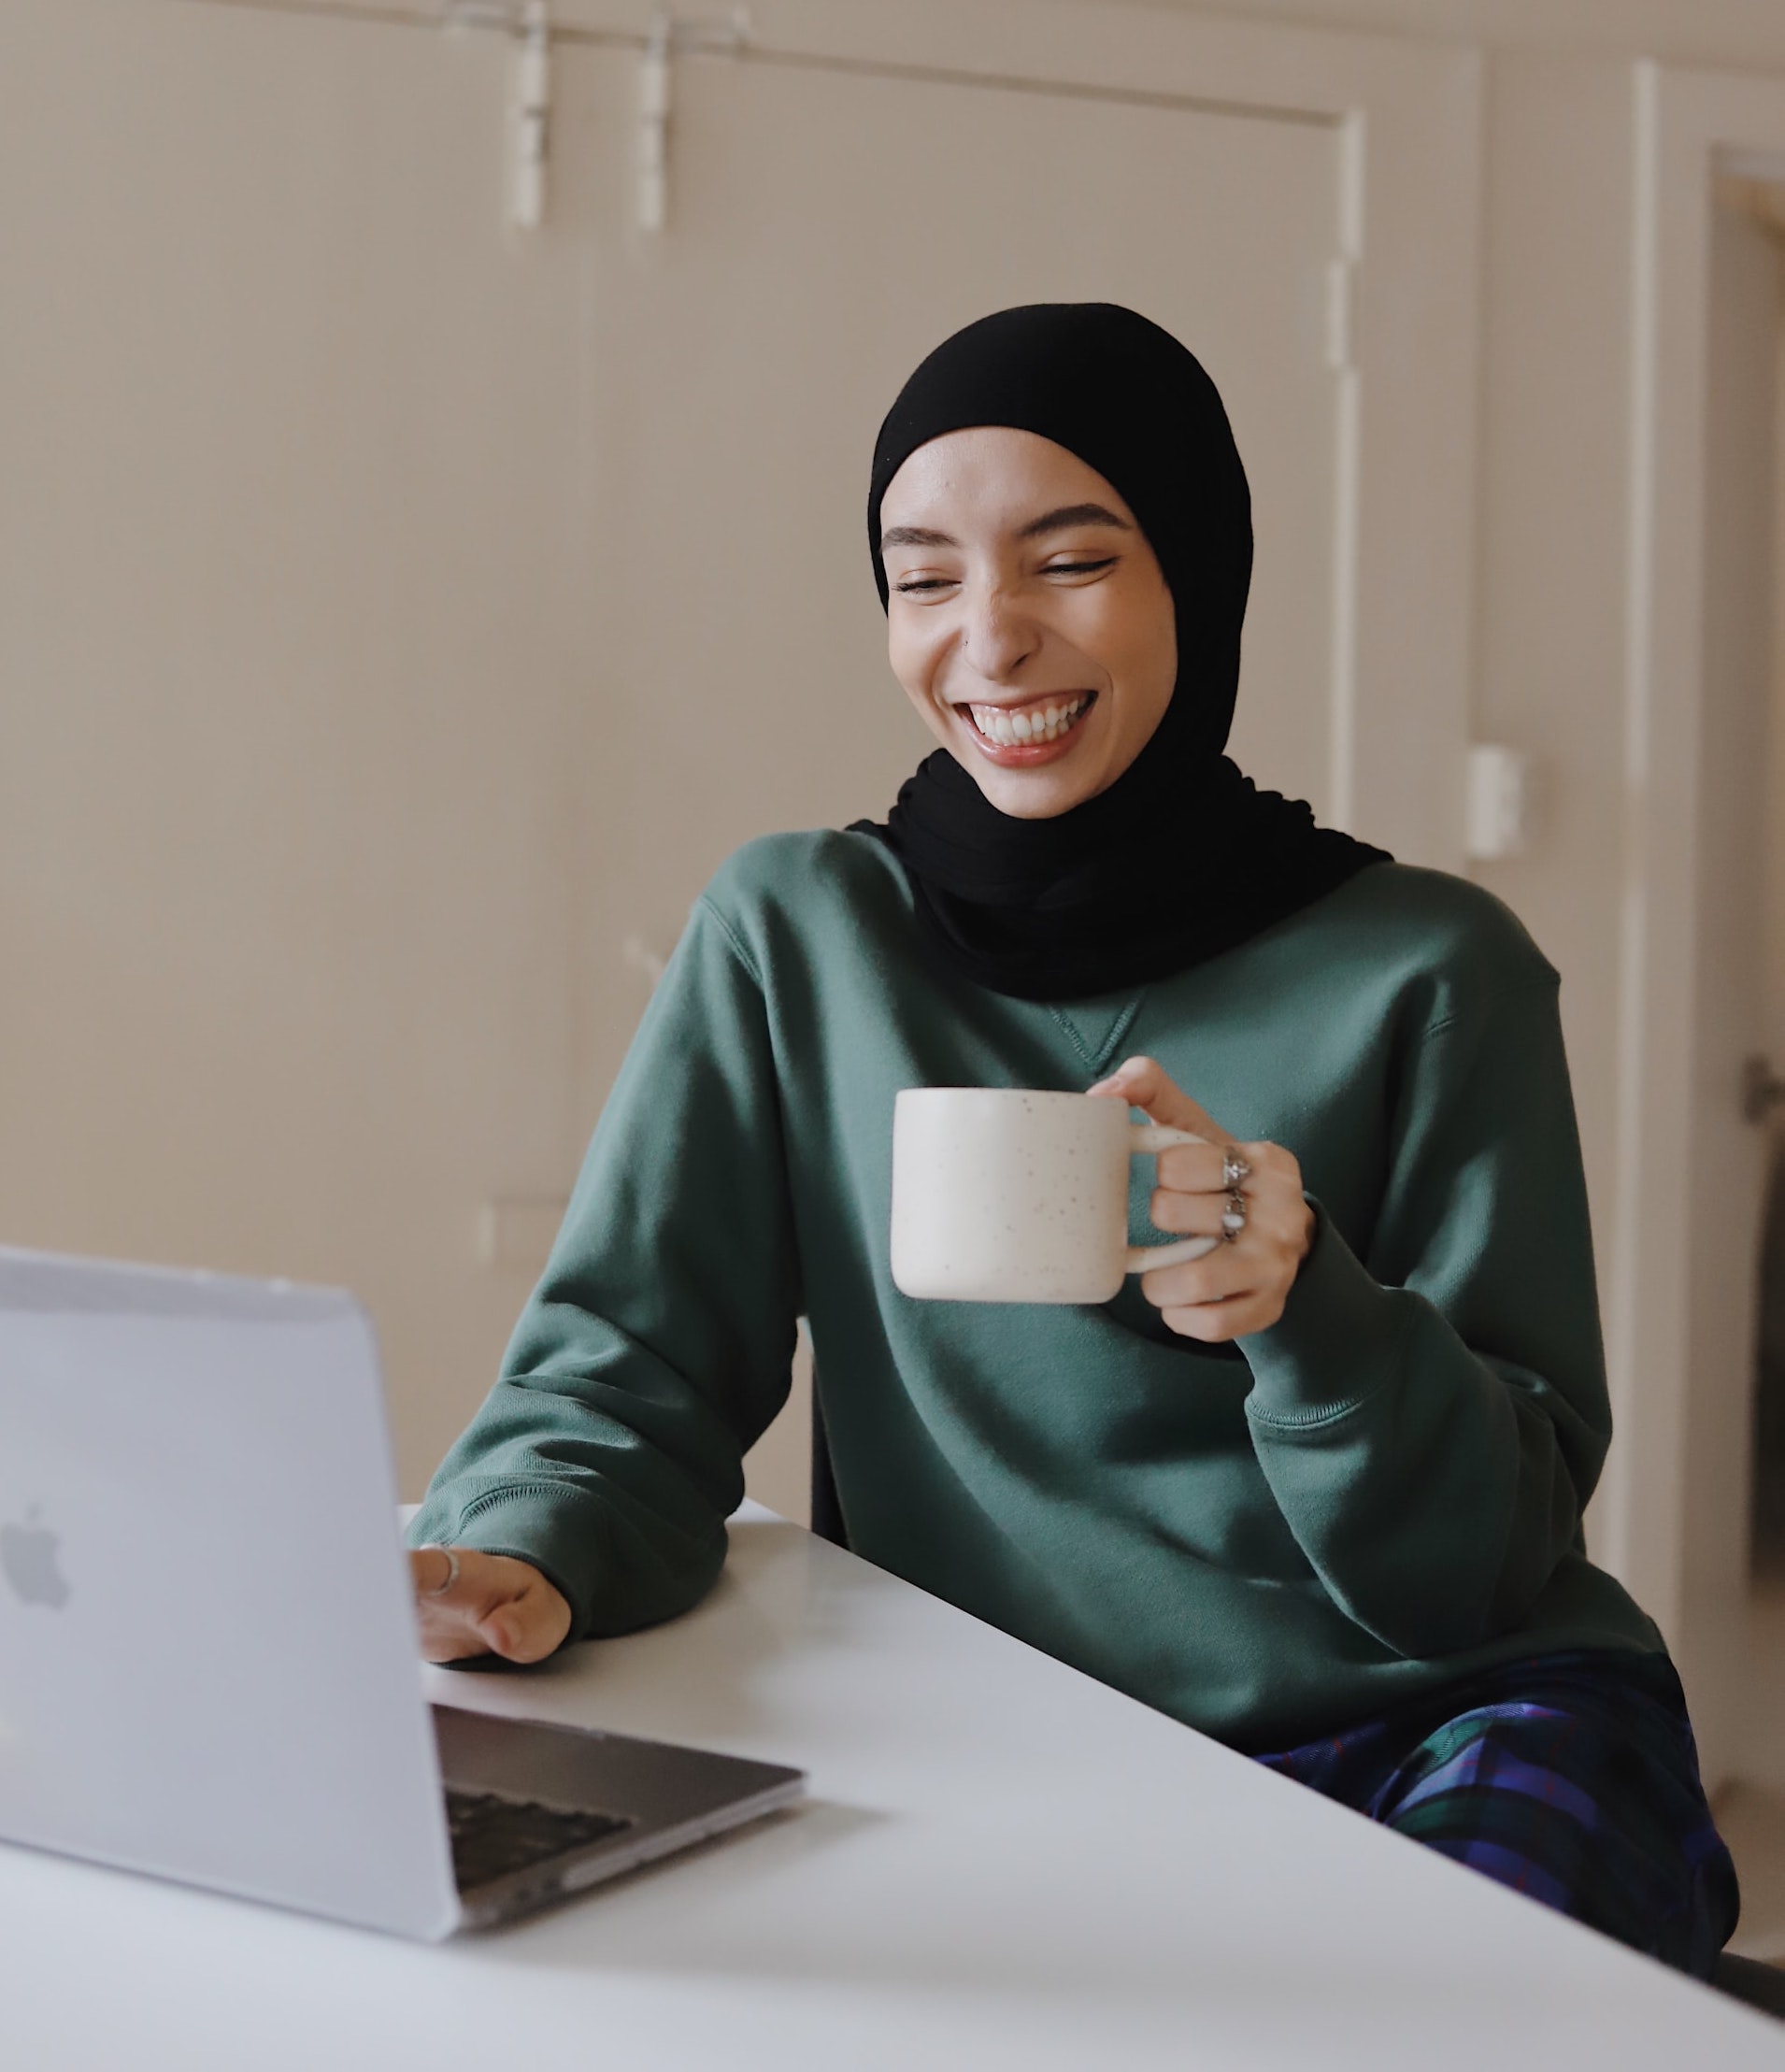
(1140, 1259)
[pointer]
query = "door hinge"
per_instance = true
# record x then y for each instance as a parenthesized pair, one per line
(670, 37)
(529, 23)
(532, 115)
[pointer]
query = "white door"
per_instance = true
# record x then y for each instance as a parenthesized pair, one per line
(402, 614)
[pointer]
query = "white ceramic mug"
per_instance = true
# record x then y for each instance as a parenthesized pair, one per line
(1007, 1196)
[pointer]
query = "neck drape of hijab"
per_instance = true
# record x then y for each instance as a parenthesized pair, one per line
(1182, 858)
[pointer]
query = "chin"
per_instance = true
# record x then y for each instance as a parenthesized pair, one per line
(1043, 797)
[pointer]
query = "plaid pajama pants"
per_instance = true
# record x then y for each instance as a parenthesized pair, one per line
(1573, 1778)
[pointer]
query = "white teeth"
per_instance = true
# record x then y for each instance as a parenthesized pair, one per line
(1010, 730)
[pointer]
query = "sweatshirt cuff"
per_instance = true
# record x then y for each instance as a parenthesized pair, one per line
(1327, 1352)
(549, 1528)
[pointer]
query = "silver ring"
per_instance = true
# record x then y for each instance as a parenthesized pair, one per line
(440, 1589)
(1233, 1217)
(1235, 1172)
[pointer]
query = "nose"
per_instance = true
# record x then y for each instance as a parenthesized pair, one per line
(996, 638)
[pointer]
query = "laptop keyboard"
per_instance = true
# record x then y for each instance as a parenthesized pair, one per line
(493, 1836)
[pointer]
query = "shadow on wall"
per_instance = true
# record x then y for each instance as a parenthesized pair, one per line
(1769, 1394)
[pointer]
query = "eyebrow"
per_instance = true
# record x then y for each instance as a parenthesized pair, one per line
(1073, 514)
(916, 536)
(1050, 522)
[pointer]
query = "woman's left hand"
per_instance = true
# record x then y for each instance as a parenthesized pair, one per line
(1242, 1285)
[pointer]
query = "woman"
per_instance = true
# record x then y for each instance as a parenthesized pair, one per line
(1318, 1494)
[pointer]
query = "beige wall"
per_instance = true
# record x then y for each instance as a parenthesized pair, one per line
(1550, 598)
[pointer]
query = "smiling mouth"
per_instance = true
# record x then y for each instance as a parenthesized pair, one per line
(1036, 725)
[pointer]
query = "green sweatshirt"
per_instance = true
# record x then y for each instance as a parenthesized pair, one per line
(1379, 1494)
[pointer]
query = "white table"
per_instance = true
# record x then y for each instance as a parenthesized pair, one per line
(1003, 1864)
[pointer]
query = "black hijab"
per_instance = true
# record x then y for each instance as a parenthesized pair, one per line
(1108, 896)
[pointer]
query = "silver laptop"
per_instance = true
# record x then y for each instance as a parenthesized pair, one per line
(207, 1649)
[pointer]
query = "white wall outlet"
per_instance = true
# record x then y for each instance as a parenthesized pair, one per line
(1498, 811)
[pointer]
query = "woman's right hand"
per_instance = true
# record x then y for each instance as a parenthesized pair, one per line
(493, 1605)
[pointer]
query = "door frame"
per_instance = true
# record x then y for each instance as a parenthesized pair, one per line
(1403, 305)
(1687, 126)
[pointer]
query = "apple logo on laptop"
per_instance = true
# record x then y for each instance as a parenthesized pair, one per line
(28, 1557)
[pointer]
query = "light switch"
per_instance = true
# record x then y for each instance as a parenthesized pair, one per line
(1499, 804)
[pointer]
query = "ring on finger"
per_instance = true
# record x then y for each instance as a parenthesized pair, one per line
(1235, 1172)
(452, 1574)
(1233, 1216)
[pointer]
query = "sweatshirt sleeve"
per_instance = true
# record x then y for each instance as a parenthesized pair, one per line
(1432, 1418)
(658, 1346)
